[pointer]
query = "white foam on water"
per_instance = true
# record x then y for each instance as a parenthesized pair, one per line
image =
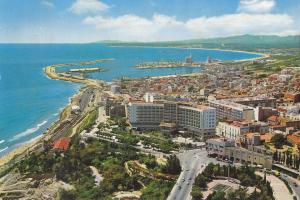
(28, 131)
(2, 141)
(1, 150)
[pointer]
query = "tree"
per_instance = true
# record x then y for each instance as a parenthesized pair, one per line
(201, 181)
(196, 193)
(216, 196)
(173, 165)
(278, 140)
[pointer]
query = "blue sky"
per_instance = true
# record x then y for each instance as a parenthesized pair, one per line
(65, 21)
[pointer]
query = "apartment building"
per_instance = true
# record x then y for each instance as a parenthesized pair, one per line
(256, 155)
(143, 115)
(216, 146)
(171, 116)
(256, 101)
(226, 149)
(226, 109)
(234, 129)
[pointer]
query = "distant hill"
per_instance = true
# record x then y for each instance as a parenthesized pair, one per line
(243, 42)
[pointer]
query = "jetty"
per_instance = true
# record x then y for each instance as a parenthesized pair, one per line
(82, 70)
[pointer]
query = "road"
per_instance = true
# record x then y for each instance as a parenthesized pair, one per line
(291, 182)
(280, 190)
(192, 162)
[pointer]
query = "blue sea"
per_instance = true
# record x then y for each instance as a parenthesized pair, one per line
(30, 102)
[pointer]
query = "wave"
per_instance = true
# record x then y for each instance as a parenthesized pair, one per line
(1, 150)
(28, 131)
(2, 141)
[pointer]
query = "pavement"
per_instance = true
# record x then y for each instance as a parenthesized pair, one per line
(192, 162)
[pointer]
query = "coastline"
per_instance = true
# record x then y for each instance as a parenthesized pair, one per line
(51, 73)
(200, 48)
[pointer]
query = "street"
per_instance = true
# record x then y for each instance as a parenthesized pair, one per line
(294, 183)
(193, 162)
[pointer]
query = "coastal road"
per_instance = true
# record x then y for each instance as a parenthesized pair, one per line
(192, 162)
(294, 183)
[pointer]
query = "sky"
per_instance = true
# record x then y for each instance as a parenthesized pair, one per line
(81, 21)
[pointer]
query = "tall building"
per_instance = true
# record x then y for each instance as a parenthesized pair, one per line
(145, 115)
(171, 116)
(227, 109)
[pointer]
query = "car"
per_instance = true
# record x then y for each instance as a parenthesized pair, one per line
(183, 180)
(179, 187)
(188, 183)
(187, 170)
(190, 178)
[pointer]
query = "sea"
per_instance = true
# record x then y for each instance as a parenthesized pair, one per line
(30, 102)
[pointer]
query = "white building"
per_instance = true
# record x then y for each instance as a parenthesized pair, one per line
(234, 129)
(227, 109)
(200, 120)
(145, 115)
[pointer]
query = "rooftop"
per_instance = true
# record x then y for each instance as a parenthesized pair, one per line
(62, 144)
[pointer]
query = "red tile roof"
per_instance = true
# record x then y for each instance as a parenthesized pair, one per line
(62, 144)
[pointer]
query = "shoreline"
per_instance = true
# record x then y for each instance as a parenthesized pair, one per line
(264, 55)
(50, 72)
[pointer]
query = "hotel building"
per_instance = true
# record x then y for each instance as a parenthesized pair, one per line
(170, 116)
(227, 109)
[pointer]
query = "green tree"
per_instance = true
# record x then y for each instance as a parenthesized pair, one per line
(201, 181)
(173, 165)
(216, 196)
(196, 193)
(278, 140)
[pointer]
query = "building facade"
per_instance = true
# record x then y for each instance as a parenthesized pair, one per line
(226, 109)
(234, 129)
(226, 149)
(171, 116)
(145, 115)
